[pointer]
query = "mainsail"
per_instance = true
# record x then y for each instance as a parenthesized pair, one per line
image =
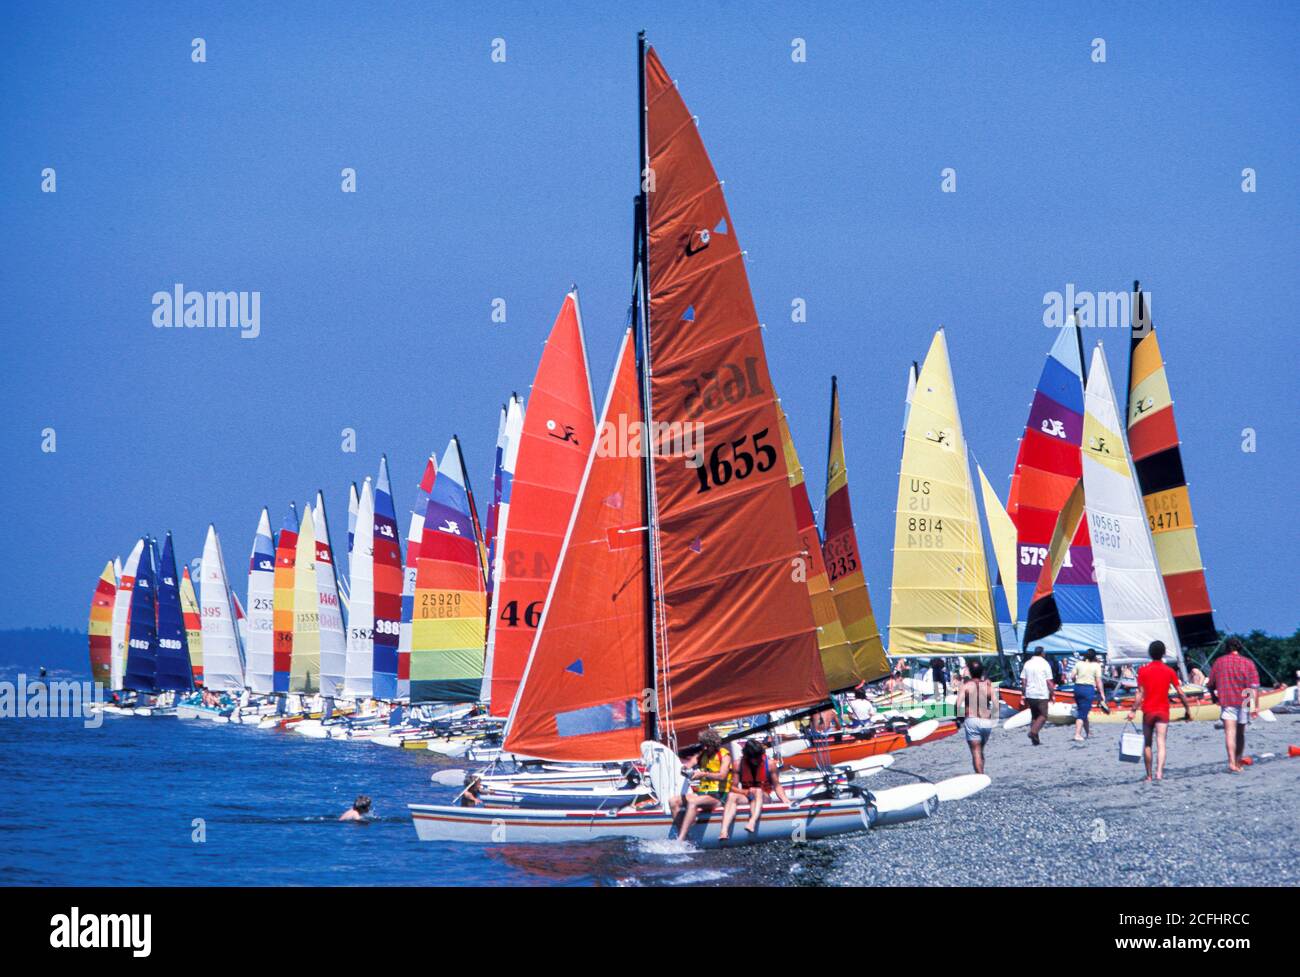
(333, 644)
(844, 560)
(122, 615)
(286, 551)
(1047, 469)
(734, 625)
(581, 694)
(388, 587)
(173, 666)
(101, 627)
(448, 631)
(557, 436)
(1132, 593)
(259, 646)
(503, 485)
(224, 665)
(192, 616)
(414, 531)
(1157, 457)
(304, 667)
(940, 603)
(142, 644)
(359, 668)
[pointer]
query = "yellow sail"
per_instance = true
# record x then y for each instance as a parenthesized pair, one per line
(304, 671)
(836, 653)
(940, 602)
(1003, 533)
(844, 561)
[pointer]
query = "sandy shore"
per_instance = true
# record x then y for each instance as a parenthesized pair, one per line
(1065, 813)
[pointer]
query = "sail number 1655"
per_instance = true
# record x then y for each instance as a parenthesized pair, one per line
(731, 460)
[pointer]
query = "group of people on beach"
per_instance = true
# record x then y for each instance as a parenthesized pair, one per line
(1233, 683)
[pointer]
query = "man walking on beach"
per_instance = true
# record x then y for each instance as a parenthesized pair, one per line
(1233, 680)
(1037, 681)
(975, 702)
(1155, 679)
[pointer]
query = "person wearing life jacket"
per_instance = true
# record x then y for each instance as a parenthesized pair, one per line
(753, 781)
(708, 776)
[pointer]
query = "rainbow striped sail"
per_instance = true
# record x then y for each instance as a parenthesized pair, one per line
(1157, 456)
(101, 627)
(259, 644)
(359, 665)
(173, 669)
(304, 666)
(142, 642)
(333, 643)
(388, 587)
(448, 634)
(122, 615)
(286, 552)
(192, 616)
(414, 531)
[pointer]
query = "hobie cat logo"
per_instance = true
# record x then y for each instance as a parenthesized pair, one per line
(211, 310)
(1053, 427)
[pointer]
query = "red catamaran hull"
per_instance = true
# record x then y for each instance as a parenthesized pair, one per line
(857, 748)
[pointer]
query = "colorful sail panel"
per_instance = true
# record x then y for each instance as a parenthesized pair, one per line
(101, 627)
(1133, 598)
(333, 643)
(844, 561)
(286, 554)
(1043, 618)
(582, 692)
(557, 437)
(241, 620)
(359, 667)
(388, 589)
(304, 667)
(833, 644)
(259, 646)
(1157, 457)
(1047, 468)
(193, 625)
(223, 661)
(173, 667)
(738, 631)
(122, 615)
(142, 642)
(448, 633)
(940, 602)
(490, 525)
(414, 531)
(503, 486)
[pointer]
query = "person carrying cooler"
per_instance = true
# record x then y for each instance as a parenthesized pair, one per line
(1087, 688)
(1234, 681)
(754, 780)
(709, 780)
(1155, 679)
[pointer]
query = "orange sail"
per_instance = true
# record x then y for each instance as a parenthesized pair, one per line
(837, 657)
(844, 563)
(558, 430)
(581, 695)
(734, 622)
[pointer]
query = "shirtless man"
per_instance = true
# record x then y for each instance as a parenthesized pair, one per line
(976, 703)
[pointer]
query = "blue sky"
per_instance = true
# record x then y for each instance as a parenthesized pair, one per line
(480, 180)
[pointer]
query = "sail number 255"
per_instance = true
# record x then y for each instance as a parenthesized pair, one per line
(731, 460)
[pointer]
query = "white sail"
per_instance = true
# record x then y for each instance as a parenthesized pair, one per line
(223, 665)
(1133, 600)
(259, 643)
(121, 612)
(359, 665)
(511, 435)
(333, 643)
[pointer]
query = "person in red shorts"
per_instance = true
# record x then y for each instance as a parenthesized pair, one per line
(1155, 679)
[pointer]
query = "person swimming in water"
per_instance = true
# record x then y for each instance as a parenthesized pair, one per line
(358, 811)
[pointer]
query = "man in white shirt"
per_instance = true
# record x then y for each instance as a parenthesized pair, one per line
(861, 708)
(1036, 681)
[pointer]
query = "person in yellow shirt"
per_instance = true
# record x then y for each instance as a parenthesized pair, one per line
(1087, 689)
(709, 780)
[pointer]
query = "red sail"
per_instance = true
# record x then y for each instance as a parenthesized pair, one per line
(737, 623)
(583, 688)
(558, 430)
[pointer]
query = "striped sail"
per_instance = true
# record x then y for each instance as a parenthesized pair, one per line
(557, 436)
(836, 652)
(940, 602)
(1157, 457)
(503, 490)
(193, 625)
(388, 588)
(304, 667)
(101, 627)
(259, 644)
(223, 661)
(448, 630)
(142, 642)
(122, 615)
(415, 529)
(359, 665)
(844, 561)
(1047, 468)
(173, 670)
(286, 555)
(1132, 592)
(333, 643)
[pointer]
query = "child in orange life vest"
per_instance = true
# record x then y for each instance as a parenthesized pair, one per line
(752, 782)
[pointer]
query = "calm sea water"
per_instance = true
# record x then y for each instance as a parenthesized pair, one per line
(116, 805)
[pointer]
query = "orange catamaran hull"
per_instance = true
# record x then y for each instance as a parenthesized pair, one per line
(850, 747)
